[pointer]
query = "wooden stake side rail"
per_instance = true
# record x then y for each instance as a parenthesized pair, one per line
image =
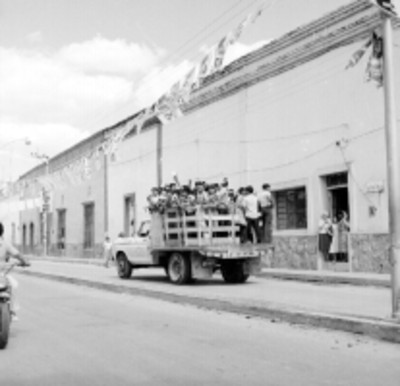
(200, 229)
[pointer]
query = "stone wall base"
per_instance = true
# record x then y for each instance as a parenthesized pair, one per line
(370, 253)
(70, 250)
(293, 252)
(367, 253)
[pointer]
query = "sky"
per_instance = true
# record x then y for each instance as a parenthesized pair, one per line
(69, 68)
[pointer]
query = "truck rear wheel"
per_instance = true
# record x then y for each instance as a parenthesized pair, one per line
(124, 267)
(179, 270)
(234, 272)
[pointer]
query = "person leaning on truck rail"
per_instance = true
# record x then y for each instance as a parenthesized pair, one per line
(252, 215)
(266, 205)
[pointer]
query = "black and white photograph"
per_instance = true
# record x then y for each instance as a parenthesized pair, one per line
(199, 192)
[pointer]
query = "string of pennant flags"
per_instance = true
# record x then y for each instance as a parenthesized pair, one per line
(167, 108)
(374, 44)
(374, 68)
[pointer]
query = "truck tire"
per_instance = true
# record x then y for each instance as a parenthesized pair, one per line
(5, 320)
(179, 269)
(124, 267)
(234, 272)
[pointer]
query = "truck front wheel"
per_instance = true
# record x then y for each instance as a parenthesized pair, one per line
(124, 267)
(234, 272)
(179, 270)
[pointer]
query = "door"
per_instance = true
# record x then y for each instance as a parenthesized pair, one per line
(31, 237)
(338, 198)
(88, 223)
(137, 247)
(61, 229)
(130, 215)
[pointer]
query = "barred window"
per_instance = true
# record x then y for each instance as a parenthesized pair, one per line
(291, 208)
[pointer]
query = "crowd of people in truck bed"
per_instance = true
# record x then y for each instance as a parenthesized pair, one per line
(252, 212)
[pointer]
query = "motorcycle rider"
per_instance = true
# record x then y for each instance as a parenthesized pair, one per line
(7, 251)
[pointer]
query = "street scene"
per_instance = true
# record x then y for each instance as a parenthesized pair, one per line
(198, 192)
(73, 335)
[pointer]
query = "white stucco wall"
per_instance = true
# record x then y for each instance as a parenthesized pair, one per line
(284, 131)
(132, 172)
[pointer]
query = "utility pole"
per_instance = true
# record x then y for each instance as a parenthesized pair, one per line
(159, 152)
(46, 200)
(393, 164)
(105, 176)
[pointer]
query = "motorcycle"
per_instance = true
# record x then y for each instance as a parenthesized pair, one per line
(5, 303)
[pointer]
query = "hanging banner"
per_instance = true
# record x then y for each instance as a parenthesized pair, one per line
(207, 64)
(237, 32)
(220, 52)
(357, 56)
(374, 71)
(190, 83)
(387, 6)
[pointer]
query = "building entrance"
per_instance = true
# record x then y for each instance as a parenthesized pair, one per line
(338, 200)
(129, 214)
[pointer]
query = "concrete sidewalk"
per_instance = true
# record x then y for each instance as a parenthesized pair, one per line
(356, 309)
(324, 277)
(329, 277)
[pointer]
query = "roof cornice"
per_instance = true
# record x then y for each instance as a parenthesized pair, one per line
(341, 27)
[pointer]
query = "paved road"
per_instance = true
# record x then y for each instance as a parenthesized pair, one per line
(71, 335)
(339, 299)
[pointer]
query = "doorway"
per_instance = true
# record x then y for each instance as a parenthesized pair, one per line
(31, 237)
(61, 229)
(130, 214)
(338, 204)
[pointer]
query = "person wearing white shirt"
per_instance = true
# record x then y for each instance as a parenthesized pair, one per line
(266, 204)
(250, 203)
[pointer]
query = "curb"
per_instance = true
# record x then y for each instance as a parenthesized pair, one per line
(331, 279)
(68, 260)
(308, 278)
(381, 329)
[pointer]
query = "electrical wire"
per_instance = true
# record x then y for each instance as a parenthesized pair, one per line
(155, 77)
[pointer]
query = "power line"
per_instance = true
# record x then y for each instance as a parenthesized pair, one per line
(273, 139)
(292, 162)
(151, 81)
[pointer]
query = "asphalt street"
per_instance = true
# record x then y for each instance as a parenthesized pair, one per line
(74, 335)
(258, 292)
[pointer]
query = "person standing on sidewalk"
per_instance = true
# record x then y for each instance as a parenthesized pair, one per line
(334, 247)
(343, 231)
(266, 205)
(107, 251)
(324, 235)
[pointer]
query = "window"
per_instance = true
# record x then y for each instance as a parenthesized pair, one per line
(88, 214)
(336, 180)
(291, 208)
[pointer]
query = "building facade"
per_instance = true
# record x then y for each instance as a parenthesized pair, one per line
(289, 114)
